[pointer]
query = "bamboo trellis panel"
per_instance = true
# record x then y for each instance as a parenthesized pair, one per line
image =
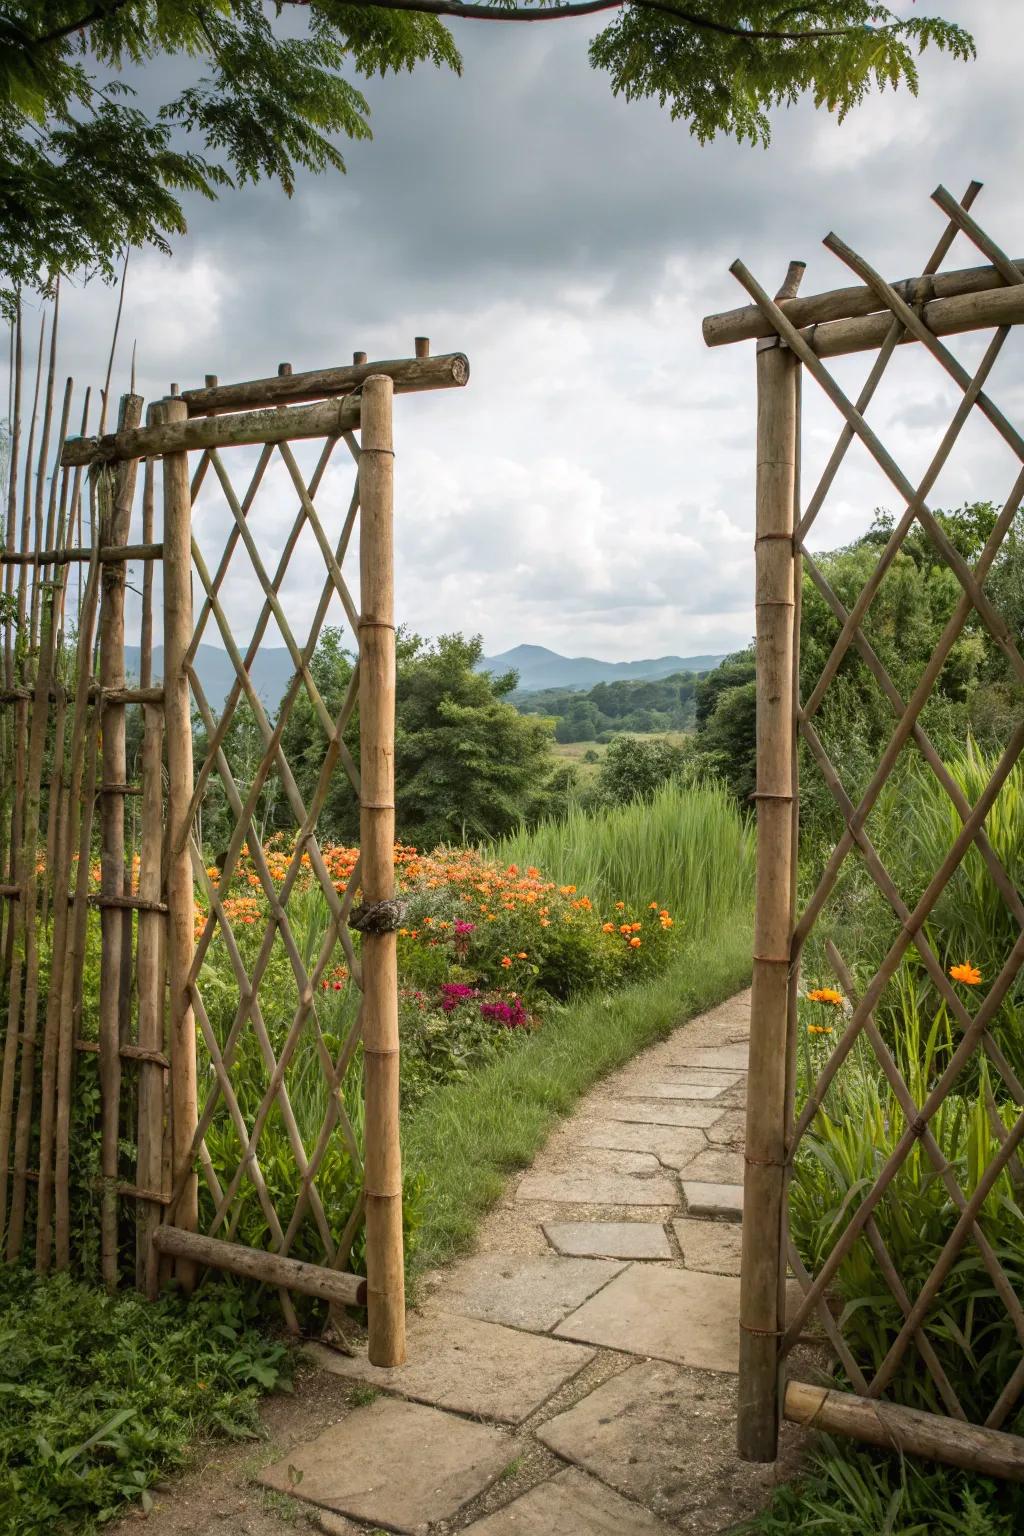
(152, 950)
(794, 336)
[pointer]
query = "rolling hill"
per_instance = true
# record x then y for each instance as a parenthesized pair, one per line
(540, 668)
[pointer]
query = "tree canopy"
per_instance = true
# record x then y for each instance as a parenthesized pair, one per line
(87, 169)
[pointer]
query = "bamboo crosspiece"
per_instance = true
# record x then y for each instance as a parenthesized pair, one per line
(797, 333)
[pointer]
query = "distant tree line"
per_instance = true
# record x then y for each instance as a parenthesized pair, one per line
(643, 706)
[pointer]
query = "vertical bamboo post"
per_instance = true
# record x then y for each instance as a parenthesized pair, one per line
(763, 1256)
(383, 1161)
(115, 519)
(178, 874)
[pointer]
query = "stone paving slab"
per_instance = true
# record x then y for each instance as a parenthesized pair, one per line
(596, 1189)
(610, 1239)
(674, 1146)
(724, 1200)
(532, 1293)
(716, 1165)
(710, 1245)
(728, 1058)
(571, 1504)
(690, 1319)
(470, 1367)
(730, 1129)
(702, 1077)
(666, 1437)
(662, 1112)
(676, 1090)
(395, 1464)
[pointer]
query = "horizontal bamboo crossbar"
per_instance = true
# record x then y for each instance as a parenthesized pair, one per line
(894, 1428)
(110, 554)
(127, 1052)
(329, 418)
(255, 1264)
(748, 324)
(447, 371)
(942, 317)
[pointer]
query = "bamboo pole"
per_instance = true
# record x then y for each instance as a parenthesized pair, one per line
(255, 1264)
(763, 1254)
(330, 418)
(151, 986)
(180, 892)
(989, 1452)
(115, 519)
(855, 303)
(408, 374)
(383, 1165)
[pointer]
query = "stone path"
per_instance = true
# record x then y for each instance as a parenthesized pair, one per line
(578, 1373)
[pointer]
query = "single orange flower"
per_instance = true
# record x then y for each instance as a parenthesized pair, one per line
(967, 973)
(634, 943)
(826, 995)
(521, 955)
(607, 927)
(506, 962)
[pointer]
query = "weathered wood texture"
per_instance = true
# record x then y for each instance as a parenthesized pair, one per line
(907, 1431)
(408, 374)
(175, 433)
(255, 1264)
(854, 303)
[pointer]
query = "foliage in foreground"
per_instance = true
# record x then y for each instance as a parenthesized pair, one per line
(102, 1394)
(848, 1491)
(89, 171)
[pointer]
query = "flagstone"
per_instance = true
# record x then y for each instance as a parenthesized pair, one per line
(710, 1245)
(597, 1189)
(716, 1165)
(674, 1090)
(662, 1112)
(610, 1239)
(572, 1502)
(671, 1145)
(702, 1077)
(532, 1293)
(724, 1200)
(469, 1366)
(690, 1319)
(721, 1057)
(394, 1464)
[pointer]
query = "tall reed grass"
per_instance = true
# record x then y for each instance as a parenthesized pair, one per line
(689, 848)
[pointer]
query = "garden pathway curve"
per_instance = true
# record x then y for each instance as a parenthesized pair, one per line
(578, 1373)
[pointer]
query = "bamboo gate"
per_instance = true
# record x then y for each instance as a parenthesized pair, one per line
(794, 336)
(64, 744)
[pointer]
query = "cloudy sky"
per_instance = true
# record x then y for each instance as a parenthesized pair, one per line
(591, 489)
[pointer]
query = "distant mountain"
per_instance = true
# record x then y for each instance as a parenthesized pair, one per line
(540, 668)
(272, 671)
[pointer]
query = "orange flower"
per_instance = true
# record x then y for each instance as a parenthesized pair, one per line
(545, 922)
(666, 922)
(967, 973)
(826, 995)
(634, 943)
(819, 1029)
(506, 962)
(620, 906)
(607, 927)
(521, 955)
(625, 928)
(636, 927)
(653, 906)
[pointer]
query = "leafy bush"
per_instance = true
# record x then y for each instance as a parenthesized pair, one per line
(102, 1394)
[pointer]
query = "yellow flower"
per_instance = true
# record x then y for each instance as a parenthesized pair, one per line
(826, 995)
(819, 1029)
(967, 973)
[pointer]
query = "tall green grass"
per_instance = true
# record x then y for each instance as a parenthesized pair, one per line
(689, 848)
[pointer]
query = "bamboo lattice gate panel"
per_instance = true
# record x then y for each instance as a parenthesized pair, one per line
(884, 317)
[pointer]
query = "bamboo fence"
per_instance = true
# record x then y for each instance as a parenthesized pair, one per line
(793, 335)
(104, 972)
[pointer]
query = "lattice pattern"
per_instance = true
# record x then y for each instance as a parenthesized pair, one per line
(249, 1020)
(975, 1031)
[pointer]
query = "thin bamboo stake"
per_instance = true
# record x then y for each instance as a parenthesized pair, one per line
(115, 518)
(151, 985)
(39, 543)
(383, 1169)
(180, 892)
(763, 1254)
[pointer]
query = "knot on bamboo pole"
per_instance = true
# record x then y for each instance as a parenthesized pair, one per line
(381, 917)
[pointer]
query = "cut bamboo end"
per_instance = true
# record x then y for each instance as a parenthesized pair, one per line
(894, 1428)
(408, 374)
